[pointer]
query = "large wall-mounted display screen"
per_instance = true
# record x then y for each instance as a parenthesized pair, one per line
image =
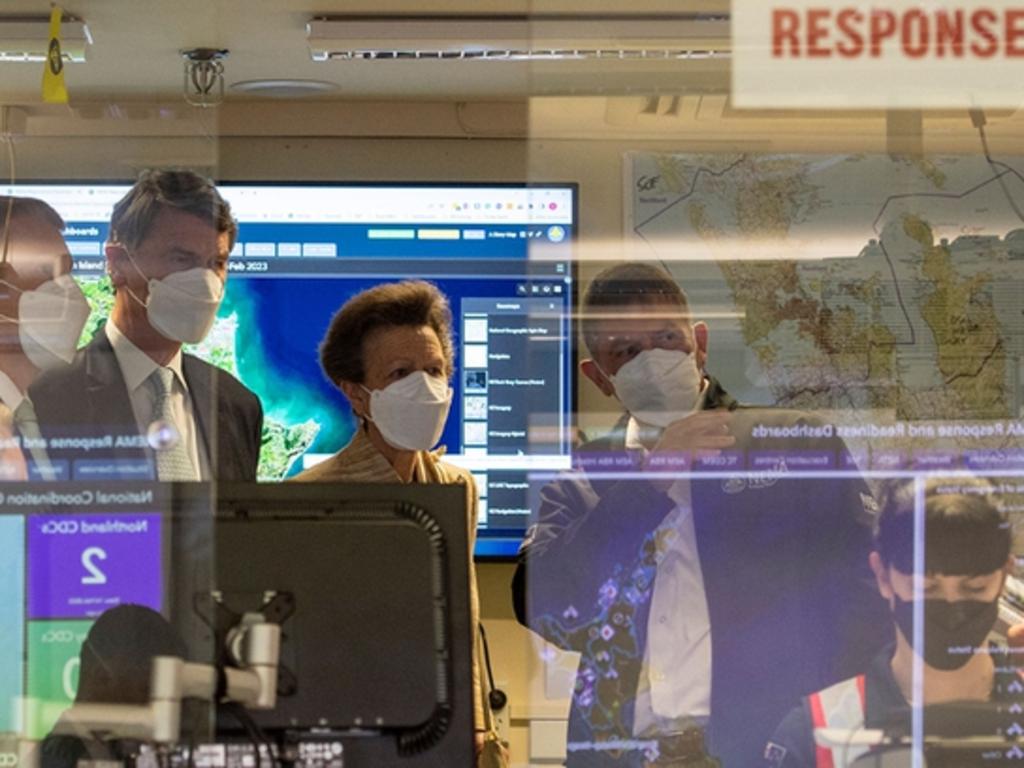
(501, 253)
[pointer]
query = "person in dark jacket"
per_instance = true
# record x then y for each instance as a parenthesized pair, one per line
(132, 405)
(702, 607)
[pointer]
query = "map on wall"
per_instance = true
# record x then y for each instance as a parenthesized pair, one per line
(846, 282)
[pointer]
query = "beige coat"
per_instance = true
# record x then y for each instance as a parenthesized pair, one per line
(361, 462)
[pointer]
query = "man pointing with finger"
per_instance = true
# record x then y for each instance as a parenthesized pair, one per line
(701, 606)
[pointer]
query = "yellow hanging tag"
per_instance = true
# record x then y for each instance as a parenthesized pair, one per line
(54, 91)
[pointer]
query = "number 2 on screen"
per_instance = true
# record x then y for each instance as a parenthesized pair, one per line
(93, 574)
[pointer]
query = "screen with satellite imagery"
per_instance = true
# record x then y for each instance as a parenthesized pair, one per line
(502, 254)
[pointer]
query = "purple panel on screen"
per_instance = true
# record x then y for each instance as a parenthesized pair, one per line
(1004, 459)
(675, 461)
(81, 565)
(888, 460)
(611, 461)
(853, 460)
(936, 460)
(792, 460)
(719, 461)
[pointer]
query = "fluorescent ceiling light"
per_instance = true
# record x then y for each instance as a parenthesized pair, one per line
(280, 88)
(509, 38)
(24, 38)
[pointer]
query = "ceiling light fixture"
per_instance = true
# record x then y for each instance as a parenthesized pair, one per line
(27, 38)
(512, 38)
(204, 76)
(284, 88)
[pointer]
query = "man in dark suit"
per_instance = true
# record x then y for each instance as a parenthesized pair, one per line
(702, 606)
(132, 404)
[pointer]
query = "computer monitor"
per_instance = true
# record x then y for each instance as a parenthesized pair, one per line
(502, 253)
(68, 553)
(369, 583)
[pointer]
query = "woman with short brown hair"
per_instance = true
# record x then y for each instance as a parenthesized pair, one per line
(389, 350)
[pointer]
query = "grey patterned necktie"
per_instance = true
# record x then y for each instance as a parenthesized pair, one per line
(172, 461)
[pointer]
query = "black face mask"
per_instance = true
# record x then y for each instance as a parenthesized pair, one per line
(959, 624)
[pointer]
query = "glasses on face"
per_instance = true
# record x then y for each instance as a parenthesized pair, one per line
(621, 348)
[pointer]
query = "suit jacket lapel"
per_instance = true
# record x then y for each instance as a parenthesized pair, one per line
(109, 402)
(200, 389)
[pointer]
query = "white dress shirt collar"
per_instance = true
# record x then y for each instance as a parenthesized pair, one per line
(136, 365)
(10, 395)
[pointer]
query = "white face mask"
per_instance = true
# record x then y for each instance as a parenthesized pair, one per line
(658, 386)
(50, 321)
(410, 413)
(183, 305)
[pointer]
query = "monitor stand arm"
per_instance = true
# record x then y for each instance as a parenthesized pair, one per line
(253, 684)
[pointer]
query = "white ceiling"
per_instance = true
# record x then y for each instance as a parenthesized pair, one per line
(134, 72)
(136, 47)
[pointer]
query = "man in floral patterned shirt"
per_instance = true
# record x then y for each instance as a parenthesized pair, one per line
(702, 607)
